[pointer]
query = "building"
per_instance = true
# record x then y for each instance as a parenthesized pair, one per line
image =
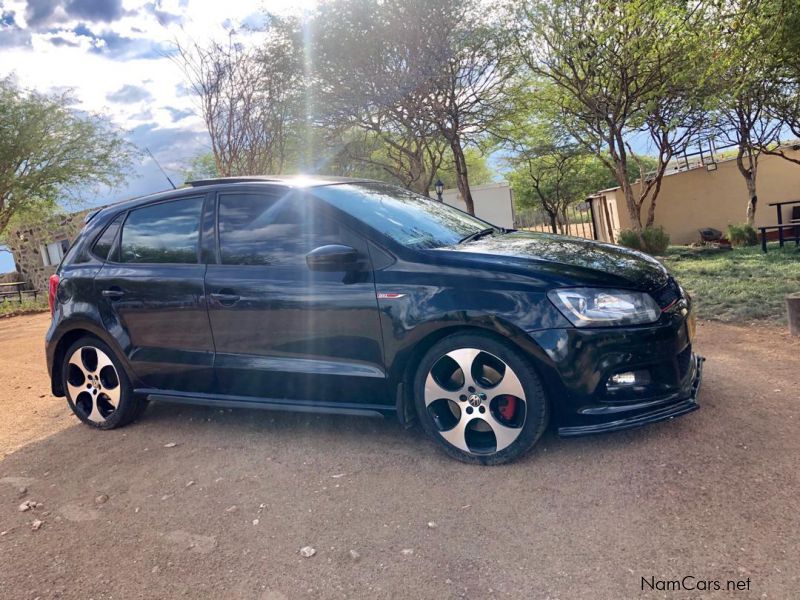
(38, 249)
(705, 195)
(494, 203)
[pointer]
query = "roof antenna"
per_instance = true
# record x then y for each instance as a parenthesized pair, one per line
(174, 187)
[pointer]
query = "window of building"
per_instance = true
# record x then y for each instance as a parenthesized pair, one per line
(53, 252)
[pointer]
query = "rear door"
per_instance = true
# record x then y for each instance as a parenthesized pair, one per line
(152, 299)
(281, 330)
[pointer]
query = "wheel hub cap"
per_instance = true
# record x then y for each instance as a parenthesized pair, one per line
(93, 384)
(467, 392)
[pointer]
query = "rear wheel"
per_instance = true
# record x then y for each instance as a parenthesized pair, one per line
(98, 389)
(480, 399)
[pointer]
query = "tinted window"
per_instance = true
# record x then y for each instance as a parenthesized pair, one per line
(255, 229)
(404, 216)
(103, 245)
(162, 233)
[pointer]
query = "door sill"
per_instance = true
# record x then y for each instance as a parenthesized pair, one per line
(304, 406)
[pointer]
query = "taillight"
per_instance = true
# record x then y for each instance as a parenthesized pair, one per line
(51, 293)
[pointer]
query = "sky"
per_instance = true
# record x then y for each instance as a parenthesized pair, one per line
(114, 56)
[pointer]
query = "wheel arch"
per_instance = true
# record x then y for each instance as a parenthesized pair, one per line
(403, 373)
(69, 336)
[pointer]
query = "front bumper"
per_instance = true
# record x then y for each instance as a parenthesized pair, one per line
(578, 366)
(663, 410)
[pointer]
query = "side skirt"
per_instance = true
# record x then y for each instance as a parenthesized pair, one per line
(305, 406)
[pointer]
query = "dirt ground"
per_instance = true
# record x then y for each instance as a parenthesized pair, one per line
(224, 512)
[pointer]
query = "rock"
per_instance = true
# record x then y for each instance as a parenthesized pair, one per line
(170, 445)
(232, 509)
(307, 552)
(155, 570)
(190, 483)
(37, 524)
(101, 499)
(26, 506)
(432, 525)
(255, 521)
(407, 551)
(355, 556)
(136, 510)
(22, 491)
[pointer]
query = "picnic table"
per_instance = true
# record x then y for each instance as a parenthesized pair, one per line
(794, 227)
(14, 288)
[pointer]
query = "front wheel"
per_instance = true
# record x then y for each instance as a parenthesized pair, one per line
(98, 389)
(480, 399)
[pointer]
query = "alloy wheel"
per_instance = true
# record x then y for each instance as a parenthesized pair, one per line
(476, 401)
(93, 383)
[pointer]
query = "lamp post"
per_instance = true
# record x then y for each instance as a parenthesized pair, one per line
(439, 185)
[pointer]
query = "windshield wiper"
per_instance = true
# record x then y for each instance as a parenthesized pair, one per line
(476, 235)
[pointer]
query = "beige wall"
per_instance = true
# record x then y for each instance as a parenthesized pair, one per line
(493, 203)
(694, 199)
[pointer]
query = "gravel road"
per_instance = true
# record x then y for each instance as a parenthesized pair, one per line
(201, 503)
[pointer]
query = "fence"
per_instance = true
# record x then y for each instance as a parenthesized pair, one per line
(576, 222)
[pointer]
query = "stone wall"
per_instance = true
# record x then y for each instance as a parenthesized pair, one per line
(26, 243)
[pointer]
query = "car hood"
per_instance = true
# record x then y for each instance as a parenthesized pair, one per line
(583, 262)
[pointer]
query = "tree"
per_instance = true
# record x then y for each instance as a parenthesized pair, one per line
(419, 74)
(368, 69)
(749, 87)
(781, 47)
(480, 172)
(49, 151)
(615, 71)
(553, 172)
(250, 97)
(471, 69)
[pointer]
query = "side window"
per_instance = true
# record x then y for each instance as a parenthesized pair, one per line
(244, 228)
(257, 229)
(102, 247)
(162, 233)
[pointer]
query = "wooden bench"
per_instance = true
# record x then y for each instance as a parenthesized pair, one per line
(781, 236)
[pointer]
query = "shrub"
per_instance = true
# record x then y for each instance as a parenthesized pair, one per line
(656, 240)
(742, 235)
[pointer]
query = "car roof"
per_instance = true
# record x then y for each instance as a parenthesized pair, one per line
(212, 184)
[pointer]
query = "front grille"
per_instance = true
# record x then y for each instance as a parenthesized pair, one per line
(684, 359)
(669, 294)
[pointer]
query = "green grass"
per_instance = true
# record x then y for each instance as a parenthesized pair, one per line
(12, 306)
(737, 286)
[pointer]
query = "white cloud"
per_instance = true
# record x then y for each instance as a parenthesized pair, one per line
(99, 50)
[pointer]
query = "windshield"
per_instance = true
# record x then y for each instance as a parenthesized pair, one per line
(408, 218)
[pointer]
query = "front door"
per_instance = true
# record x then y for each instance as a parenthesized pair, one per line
(152, 298)
(281, 330)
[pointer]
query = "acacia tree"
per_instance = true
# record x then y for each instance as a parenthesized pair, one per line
(369, 74)
(249, 97)
(49, 151)
(749, 87)
(551, 170)
(779, 45)
(471, 66)
(620, 70)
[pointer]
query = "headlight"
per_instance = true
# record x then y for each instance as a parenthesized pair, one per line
(592, 307)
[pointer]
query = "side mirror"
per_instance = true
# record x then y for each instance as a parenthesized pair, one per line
(333, 257)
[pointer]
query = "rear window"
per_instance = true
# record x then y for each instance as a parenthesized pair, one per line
(103, 246)
(162, 233)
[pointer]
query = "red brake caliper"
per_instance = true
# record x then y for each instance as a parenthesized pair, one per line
(508, 408)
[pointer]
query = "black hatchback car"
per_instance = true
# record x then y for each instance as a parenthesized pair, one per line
(361, 298)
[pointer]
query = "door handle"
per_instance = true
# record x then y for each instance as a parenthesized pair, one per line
(113, 293)
(225, 299)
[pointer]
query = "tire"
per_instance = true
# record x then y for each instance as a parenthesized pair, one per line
(97, 387)
(468, 393)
